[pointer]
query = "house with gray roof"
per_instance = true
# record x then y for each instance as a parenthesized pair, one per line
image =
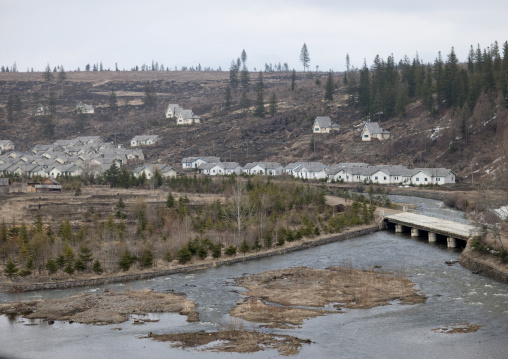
(372, 130)
(187, 117)
(323, 124)
(263, 168)
(435, 176)
(195, 162)
(149, 140)
(172, 110)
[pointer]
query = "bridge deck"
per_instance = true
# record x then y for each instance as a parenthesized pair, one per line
(431, 224)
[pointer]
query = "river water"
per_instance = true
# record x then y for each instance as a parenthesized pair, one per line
(455, 296)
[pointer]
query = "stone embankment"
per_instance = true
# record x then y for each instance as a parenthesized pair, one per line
(24, 287)
(484, 265)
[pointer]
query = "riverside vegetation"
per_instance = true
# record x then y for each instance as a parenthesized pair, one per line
(234, 216)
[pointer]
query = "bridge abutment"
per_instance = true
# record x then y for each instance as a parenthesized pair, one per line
(399, 228)
(432, 237)
(415, 232)
(451, 242)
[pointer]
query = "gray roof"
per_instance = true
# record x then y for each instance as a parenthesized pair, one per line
(325, 122)
(174, 107)
(434, 172)
(207, 166)
(374, 128)
(230, 165)
(313, 166)
(144, 138)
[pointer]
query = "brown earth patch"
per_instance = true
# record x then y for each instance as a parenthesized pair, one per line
(234, 341)
(294, 288)
(104, 308)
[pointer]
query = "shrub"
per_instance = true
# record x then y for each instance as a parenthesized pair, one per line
(230, 251)
(51, 266)
(216, 250)
(96, 267)
(184, 255)
(126, 261)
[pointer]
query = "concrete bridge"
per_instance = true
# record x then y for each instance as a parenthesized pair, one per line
(421, 225)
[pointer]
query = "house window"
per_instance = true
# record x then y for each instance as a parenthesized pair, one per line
(365, 136)
(375, 178)
(417, 179)
(452, 179)
(425, 179)
(340, 177)
(384, 178)
(438, 179)
(316, 129)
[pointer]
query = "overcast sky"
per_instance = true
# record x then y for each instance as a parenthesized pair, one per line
(213, 32)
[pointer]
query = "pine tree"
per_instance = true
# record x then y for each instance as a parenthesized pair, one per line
(147, 259)
(96, 267)
(170, 201)
(259, 110)
(233, 75)
(244, 57)
(52, 103)
(304, 57)
(273, 104)
(293, 79)
(244, 247)
(244, 77)
(62, 75)
(329, 87)
(10, 269)
(113, 103)
(244, 101)
(47, 75)
(227, 99)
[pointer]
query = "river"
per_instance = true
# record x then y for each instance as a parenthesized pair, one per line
(396, 331)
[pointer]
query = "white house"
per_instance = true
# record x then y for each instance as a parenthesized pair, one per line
(84, 108)
(187, 117)
(436, 176)
(263, 168)
(310, 170)
(212, 169)
(172, 110)
(6, 145)
(195, 162)
(323, 124)
(232, 168)
(149, 170)
(144, 140)
(372, 130)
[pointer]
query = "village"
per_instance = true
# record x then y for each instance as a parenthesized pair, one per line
(92, 156)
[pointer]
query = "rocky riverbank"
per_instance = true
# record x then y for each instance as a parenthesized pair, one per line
(484, 264)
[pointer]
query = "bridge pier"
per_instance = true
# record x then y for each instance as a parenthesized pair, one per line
(399, 228)
(432, 237)
(415, 232)
(452, 242)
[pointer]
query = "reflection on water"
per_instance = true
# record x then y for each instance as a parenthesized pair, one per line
(397, 331)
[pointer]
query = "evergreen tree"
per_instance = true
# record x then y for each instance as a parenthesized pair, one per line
(273, 104)
(233, 75)
(85, 254)
(305, 57)
(51, 266)
(62, 75)
(244, 57)
(244, 77)
(259, 110)
(244, 247)
(147, 259)
(150, 98)
(244, 101)
(52, 103)
(47, 75)
(113, 103)
(364, 90)
(170, 202)
(10, 269)
(329, 87)
(227, 99)
(293, 80)
(96, 267)
(184, 255)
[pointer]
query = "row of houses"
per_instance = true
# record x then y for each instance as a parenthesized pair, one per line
(182, 116)
(341, 172)
(68, 157)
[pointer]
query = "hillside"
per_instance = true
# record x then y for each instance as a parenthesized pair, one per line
(418, 138)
